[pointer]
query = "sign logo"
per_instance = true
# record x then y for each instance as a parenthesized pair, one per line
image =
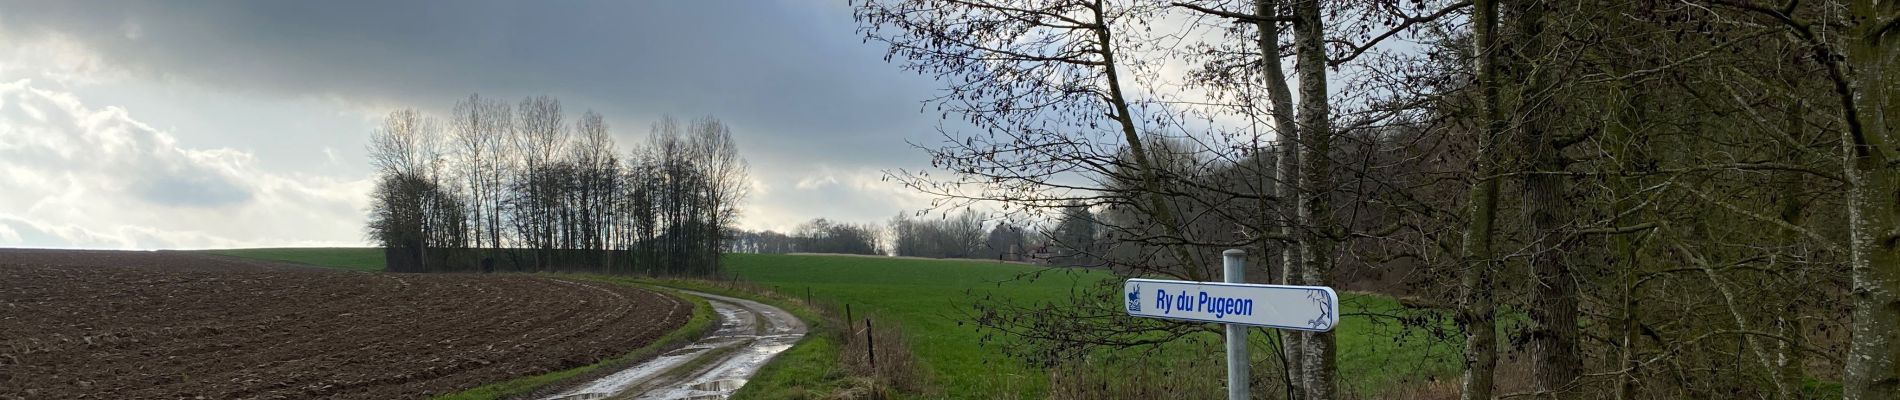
(1324, 302)
(1134, 299)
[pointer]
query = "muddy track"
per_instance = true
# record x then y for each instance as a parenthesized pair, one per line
(127, 325)
(750, 334)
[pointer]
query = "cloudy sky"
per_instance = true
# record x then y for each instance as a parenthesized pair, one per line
(242, 124)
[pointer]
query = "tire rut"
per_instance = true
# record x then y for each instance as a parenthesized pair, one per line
(749, 335)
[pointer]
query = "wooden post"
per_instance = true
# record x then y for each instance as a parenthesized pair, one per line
(808, 295)
(847, 312)
(870, 343)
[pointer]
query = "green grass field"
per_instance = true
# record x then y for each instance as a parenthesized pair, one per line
(929, 298)
(351, 258)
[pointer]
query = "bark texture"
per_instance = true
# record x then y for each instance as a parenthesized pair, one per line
(1477, 313)
(1317, 239)
(1553, 310)
(1873, 201)
(1286, 171)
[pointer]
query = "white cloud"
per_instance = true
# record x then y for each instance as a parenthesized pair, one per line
(242, 94)
(817, 181)
(80, 176)
(8, 236)
(853, 194)
(54, 58)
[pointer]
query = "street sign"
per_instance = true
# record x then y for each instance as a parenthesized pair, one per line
(1235, 304)
(1306, 308)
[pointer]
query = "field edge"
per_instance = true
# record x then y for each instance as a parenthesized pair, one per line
(366, 259)
(702, 323)
(810, 365)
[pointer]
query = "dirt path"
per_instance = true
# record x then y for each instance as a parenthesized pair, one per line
(750, 334)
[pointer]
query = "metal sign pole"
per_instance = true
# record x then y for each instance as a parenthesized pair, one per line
(1234, 264)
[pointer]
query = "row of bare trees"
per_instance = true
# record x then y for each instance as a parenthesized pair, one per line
(955, 236)
(517, 187)
(1684, 199)
(820, 235)
(969, 234)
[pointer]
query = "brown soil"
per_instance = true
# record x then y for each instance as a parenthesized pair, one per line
(122, 325)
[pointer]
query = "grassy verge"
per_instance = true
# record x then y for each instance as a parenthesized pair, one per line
(809, 369)
(829, 362)
(930, 299)
(704, 320)
(351, 258)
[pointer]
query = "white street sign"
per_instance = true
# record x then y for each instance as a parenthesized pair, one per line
(1306, 308)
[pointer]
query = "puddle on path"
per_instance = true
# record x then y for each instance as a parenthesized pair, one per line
(717, 378)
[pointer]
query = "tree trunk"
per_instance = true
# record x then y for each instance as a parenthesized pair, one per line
(1553, 312)
(1287, 138)
(1552, 339)
(1872, 209)
(1317, 240)
(1870, 361)
(1477, 313)
(1151, 183)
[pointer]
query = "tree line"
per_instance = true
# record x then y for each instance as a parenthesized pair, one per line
(499, 186)
(1688, 199)
(976, 235)
(969, 234)
(820, 235)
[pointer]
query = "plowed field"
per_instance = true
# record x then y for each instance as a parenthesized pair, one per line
(119, 325)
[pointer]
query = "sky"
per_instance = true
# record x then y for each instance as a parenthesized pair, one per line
(220, 124)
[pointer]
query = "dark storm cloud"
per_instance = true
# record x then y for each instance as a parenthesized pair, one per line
(790, 76)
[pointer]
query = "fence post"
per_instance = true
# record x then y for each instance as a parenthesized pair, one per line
(808, 295)
(847, 313)
(870, 343)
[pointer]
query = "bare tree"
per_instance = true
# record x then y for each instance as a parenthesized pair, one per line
(406, 143)
(724, 181)
(596, 184)
(561, 192)
(1034, 72)
(481, 129)
(412, 211)
(540, 134)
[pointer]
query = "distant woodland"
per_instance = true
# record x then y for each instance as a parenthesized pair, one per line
(499, 186)
(1069, 240)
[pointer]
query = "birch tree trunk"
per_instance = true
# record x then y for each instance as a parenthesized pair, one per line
(1872, 206)
(1287, 171)
(1317, 240)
